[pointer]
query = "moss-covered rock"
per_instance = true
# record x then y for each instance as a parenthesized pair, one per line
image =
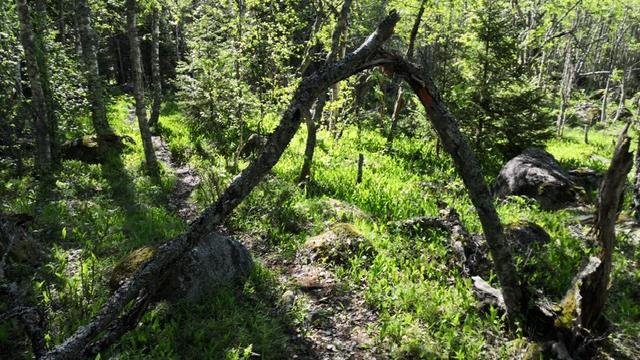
(129, 265)
(215, 261)
(336, 245)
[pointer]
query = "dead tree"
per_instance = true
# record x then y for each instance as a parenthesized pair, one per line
(595, 290)
(114, 311)
(469, 169)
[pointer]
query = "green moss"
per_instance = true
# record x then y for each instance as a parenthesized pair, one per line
(130, 264)
(345, 230)
(568, 309)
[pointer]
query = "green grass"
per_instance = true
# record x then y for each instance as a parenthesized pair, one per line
(426, 309)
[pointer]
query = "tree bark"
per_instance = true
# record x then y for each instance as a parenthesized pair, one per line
(42, 124)
(313, 120)
(136, 64)
(155, 67)
(360, 166)
(469, 169)
(595, 289)
(94, 82)
(144, 279)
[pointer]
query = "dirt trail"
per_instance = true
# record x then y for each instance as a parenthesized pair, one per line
(186, 181)
(338, 325)
(338, 319)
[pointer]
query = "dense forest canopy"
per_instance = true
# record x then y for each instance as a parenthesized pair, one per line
(319, 179)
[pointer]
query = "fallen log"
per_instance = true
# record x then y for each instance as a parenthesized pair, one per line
(143, 281)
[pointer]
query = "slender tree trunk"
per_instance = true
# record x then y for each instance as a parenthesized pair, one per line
(636, 182)
(19, 120)
(360, 165)
(605, 97)
(136, 65)
(155, 67)
(121, 75)
(238, 74)
(565, 88)
(622, 96)
(398, 104)
(41, 112)
(96, 93)
(312, 121)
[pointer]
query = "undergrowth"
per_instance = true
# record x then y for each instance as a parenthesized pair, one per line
(99, 213)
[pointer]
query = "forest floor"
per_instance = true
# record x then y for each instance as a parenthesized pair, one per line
(401, 296)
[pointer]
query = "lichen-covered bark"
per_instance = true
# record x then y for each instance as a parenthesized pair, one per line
(469, 169)
(167, 255)
(42, 115)
(138, 92)
(95, 93)
(155, 67)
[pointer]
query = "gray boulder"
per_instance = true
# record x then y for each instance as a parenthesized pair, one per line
(215, 261)
(536, 174)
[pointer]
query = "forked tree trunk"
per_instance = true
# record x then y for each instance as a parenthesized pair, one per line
(155, 68)
(313, 120)
(90, 58)
(138, 89)
(41, 110)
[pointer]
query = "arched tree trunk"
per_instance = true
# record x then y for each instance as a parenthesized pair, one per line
(469, 169)
(136, 64)
(94, 82)
(41, 111)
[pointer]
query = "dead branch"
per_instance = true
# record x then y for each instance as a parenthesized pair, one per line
(469, 169)
(308, 90)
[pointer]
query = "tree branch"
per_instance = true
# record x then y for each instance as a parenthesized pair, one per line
(308, 90)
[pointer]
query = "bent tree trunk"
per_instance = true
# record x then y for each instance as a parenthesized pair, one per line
(155, 67)
(138, 89)
(143, 281)
(88, 41)
(313, 120)
(41, 112)
(469, 169)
